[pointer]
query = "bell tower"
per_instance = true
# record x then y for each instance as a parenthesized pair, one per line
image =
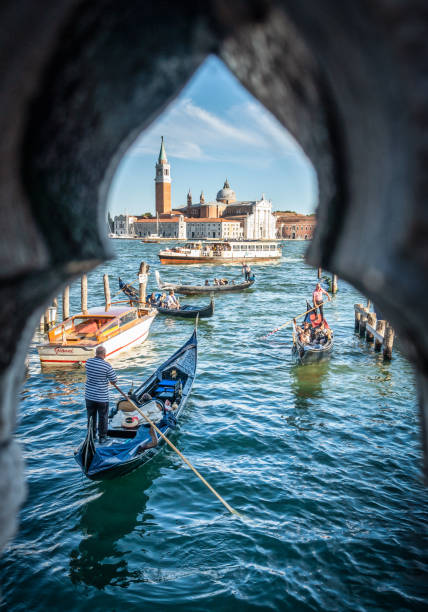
(163, 183)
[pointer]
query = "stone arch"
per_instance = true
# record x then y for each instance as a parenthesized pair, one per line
(82, 80)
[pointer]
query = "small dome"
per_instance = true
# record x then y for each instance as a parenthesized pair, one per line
(226, 194)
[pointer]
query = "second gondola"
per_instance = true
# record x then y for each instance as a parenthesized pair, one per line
(186, 311)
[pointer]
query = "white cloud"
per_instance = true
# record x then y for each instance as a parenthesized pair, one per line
(193, 133)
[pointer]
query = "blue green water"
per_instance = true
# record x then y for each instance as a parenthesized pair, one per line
(324, 461)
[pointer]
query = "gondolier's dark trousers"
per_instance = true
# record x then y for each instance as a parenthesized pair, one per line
(99, 409)
(320, 309)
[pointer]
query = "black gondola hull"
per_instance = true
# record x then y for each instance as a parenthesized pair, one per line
(189, 312)
(305, 354)
(202, 289)
(92, 459)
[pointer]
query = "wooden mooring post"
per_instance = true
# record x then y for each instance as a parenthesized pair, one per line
(107, 291)
(143, 275)
(371, 323)
(388, 342)
(378, 331)
(84, 294)
(380, 328)
(66, 303)
(334, 284)
(357, 309)
(363, 321)
(319, 273)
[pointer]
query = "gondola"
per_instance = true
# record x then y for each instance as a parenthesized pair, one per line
(128, 431)
(195, 289)
(310, 353)
(189, 312)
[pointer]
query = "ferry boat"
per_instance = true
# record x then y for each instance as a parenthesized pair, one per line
(221, 252)
(75, 340)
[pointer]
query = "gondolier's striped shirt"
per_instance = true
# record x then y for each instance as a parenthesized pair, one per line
(98, 374)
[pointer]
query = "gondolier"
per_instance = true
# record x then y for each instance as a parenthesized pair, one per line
(317, 298)
(98, 375)
(246, 270)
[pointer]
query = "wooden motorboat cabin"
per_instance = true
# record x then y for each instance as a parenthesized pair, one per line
(75, 340)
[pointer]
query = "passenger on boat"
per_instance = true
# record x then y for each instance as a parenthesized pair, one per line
(317, 298)
(322, 334)
(146, 397)
(216, 281)
(304, 334)
(152, 301)
(98, 375)
(152, 443)
(162, 300)
(207, 283)
(172, 301)
(224, 281)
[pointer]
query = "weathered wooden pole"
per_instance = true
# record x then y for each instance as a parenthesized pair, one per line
(334, 283)
(46, 320)
(107, 291)
(66, 303)
(84, 294)
(369, 303)
(371, 320)
(363, 322)
(380, 328)
(42, 323)
(143, 275)
(388, 342)
(54, 317)
(357, 317)
(319, 272)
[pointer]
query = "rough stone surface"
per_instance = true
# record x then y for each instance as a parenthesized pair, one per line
(80, 80)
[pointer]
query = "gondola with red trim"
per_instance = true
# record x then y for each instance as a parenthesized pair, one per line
(312, 352)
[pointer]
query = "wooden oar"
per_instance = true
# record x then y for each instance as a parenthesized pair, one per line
(174, 448)
(291, 320)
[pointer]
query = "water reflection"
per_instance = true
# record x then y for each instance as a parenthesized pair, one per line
(307, 382)
(119, 510)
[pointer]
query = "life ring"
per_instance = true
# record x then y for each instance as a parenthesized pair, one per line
(130, 422)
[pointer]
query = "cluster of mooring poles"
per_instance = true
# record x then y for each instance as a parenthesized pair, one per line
(379, 331)
(334, 286)
(49, 318)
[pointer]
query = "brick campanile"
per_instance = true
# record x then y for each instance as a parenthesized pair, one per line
(163, 183)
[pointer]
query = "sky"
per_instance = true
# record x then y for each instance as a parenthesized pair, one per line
(212, 131)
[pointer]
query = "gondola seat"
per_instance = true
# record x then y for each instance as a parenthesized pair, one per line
(166, 389)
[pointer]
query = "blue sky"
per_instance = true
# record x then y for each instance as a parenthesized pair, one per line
(215, 129)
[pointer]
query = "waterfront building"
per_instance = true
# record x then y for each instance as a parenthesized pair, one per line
(226, 229)
(255, 217)
(123, 225)
(225, 218)
(173, 226)
(293, 226)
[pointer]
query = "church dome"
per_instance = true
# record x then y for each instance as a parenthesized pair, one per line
(226, 195)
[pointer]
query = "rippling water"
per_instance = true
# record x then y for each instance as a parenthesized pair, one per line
(324, 461)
